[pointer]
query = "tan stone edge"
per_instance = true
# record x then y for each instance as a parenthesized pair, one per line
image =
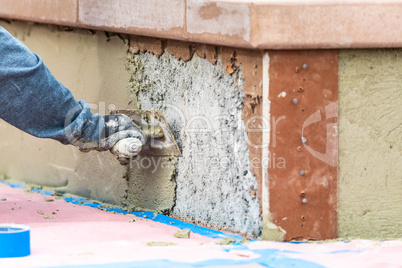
(262, 24)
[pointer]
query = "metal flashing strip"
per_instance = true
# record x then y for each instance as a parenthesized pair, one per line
(302, 174)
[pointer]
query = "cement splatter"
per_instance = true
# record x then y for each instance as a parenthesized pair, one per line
(160, 244)
(185, 233)
(231, 240)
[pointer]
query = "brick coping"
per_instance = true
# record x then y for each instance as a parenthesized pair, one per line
(260, 24)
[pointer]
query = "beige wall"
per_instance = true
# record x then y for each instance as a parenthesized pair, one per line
(370, 147)
(94, 70)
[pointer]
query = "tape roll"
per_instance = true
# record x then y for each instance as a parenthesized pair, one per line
(14, 240)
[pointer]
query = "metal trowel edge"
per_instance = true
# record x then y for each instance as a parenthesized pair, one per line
(160, 139)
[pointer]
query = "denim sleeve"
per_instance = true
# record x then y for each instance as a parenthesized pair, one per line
(32, 100)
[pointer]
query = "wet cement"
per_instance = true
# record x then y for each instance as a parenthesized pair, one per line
(203, 105)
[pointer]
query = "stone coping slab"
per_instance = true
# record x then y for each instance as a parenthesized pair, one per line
(261, 24)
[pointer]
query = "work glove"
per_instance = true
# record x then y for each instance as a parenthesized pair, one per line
(117, 127)
(33, 100)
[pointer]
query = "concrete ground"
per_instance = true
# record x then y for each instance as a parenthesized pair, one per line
(80, 233)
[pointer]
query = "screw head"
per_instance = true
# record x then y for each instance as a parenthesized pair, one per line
(302, 172)
(305, 66)
(295, 101)
(304, 200)
(303, 139)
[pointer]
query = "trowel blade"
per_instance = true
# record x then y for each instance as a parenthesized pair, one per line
(160, 139)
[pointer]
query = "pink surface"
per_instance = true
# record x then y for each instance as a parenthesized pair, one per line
(85, 235)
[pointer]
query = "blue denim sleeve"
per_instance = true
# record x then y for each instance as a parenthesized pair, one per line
(32, 99)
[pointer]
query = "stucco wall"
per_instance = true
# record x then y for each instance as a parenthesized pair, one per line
(370, 148)
(203, 103)
(206, 101)
(205, 106)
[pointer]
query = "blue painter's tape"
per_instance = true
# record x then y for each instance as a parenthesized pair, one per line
(267, 257)
(14, 185)
(158, 218)
(144, 214)
(14, 240)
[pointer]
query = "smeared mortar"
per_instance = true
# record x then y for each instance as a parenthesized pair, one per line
(203, 105)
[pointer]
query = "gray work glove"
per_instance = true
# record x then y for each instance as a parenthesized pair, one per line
(116, 128)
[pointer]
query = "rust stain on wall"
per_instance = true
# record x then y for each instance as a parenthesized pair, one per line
(303, 91)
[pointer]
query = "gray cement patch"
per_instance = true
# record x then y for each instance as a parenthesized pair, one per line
(203, 105)
(151, 184)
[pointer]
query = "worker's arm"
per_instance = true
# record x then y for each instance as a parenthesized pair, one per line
(33, 100)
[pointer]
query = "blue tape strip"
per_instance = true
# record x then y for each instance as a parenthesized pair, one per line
(14, 240)
(144, 214)
(268, 257)
(158, 218)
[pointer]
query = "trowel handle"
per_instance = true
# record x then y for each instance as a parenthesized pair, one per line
(127, 148)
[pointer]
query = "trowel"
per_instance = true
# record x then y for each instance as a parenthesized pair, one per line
(159, 137)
